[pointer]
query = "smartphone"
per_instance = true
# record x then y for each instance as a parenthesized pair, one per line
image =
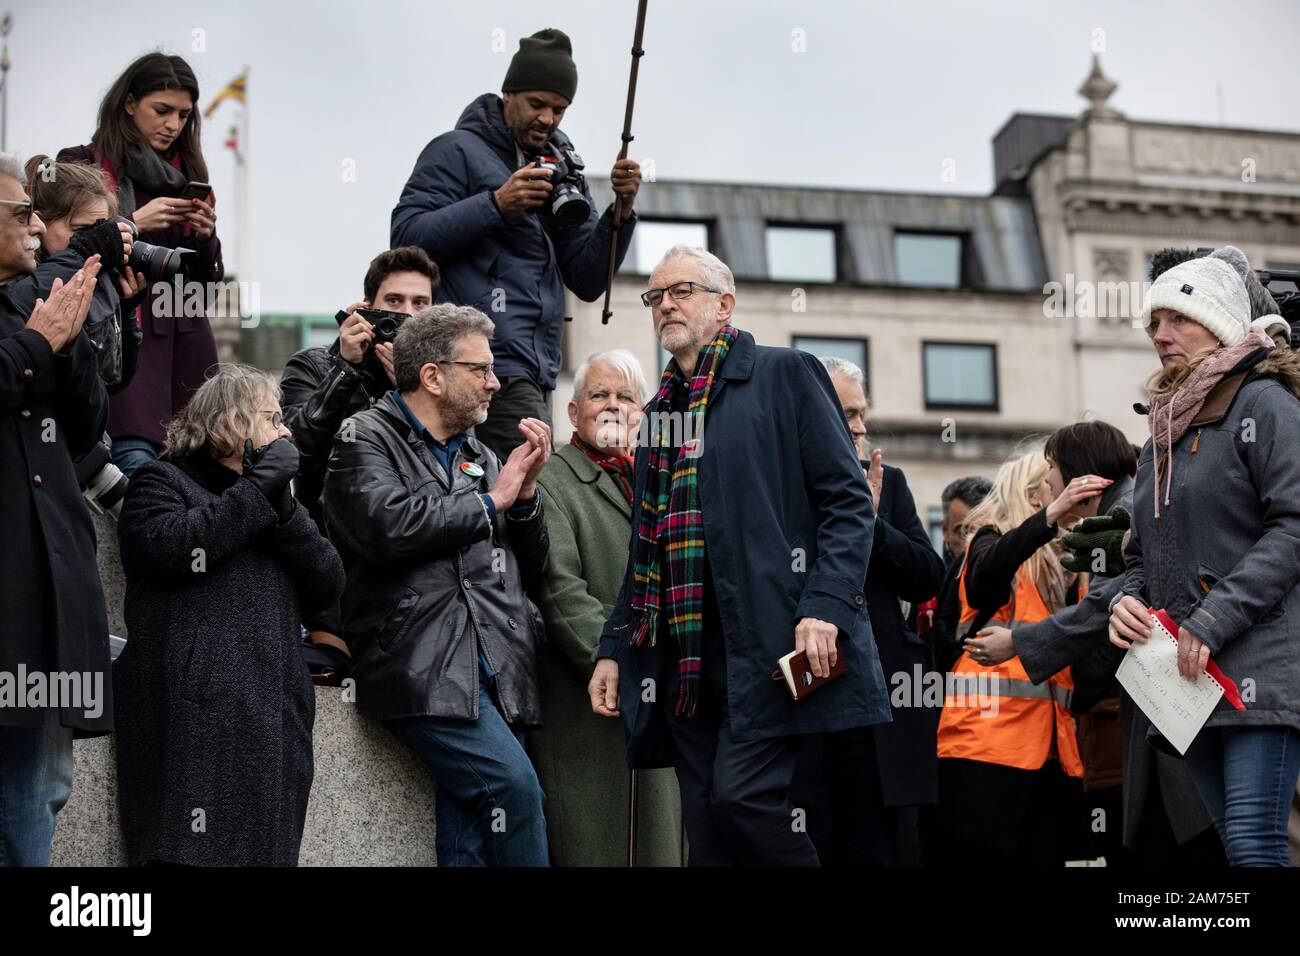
(196, 191)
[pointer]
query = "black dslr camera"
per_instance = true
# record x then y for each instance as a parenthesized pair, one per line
(385, 325)
(1284, 284)
(569, 207)
(158, 263)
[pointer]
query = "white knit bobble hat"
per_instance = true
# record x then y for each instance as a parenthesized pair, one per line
(1210, 291)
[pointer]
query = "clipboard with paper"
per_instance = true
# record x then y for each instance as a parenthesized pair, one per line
(1176, 706)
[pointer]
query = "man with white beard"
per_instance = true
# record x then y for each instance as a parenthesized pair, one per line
(752, 527)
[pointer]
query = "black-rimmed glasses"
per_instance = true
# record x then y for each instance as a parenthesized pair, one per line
(483, 368)
(678, 290)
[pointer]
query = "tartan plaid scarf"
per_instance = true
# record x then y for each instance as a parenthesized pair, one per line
(670, 530)
(618, 467)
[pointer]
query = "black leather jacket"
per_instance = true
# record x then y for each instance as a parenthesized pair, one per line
(429, 579)
(318, 390)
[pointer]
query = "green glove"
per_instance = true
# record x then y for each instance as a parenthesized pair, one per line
(1095, 540)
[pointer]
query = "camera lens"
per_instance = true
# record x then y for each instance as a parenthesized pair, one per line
(158, 263)
(569, 207)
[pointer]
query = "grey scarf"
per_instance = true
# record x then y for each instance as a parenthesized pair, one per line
(144, 167)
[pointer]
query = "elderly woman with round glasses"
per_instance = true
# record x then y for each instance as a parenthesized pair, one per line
(579, 757)
(214, 703)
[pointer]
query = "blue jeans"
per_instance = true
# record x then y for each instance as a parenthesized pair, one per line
(1246, 776)
(35, 782)
(488, 802)
(130, 453)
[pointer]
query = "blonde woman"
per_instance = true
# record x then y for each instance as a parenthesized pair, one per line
(1008, 760)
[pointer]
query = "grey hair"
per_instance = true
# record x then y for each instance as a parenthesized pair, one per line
(430, 336)
(221, 414)
(838, 366)
(621, 361)
(716, 272)
(10, 165)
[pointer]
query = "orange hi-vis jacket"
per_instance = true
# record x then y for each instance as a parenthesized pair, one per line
(996, 714)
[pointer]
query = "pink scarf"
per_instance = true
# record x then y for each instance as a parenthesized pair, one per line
(1178, 408)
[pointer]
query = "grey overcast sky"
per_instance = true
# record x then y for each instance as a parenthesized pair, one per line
(878, 97)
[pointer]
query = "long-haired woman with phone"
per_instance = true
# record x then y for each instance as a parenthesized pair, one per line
(147, 144)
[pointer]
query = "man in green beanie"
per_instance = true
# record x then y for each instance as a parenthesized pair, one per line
(480, 205)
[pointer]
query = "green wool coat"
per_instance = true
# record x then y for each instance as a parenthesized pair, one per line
(579, 756)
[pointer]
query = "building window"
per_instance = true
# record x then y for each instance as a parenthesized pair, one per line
(851, 350)
(934, 520)
(801, 254)
(960, 375)
(928, 259)
(652, 238)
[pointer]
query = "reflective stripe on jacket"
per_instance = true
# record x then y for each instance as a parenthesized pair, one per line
(996, 714)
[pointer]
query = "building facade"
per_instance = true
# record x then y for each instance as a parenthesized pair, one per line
(979, 320)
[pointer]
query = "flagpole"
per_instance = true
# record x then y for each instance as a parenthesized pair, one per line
(242, 173)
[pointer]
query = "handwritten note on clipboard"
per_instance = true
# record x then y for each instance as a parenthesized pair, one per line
(1176, 706)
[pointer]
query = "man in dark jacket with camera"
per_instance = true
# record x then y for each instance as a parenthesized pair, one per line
(501, 205)
(439, 540)
(323, 386)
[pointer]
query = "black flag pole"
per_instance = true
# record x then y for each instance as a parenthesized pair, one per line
(637, 53)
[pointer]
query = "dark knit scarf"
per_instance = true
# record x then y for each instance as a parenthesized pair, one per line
(670, 531)
(145, 168)
(618, 467)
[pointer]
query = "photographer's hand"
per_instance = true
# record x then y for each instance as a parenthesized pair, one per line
(127, 239)
(131, 283)
(355, 336)
(109, 240)
(161, 213)
(625, 179)
(526, 189)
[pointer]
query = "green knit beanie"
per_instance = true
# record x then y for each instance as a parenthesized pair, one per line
(544, 62)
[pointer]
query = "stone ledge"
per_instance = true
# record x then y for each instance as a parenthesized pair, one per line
(371, 804)
(371, 799)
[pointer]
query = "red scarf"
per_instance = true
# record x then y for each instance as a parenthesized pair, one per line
(618, 467)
